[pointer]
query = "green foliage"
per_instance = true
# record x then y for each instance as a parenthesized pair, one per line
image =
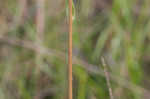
(115, 29)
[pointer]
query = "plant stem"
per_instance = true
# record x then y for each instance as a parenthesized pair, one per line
(70, 51)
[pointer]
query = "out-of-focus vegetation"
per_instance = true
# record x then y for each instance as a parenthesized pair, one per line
(34, 41)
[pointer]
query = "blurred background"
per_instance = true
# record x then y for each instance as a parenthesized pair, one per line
(34, 41)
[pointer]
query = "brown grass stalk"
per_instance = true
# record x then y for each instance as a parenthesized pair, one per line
(70, 52)
(107, 78)
(40, 26)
